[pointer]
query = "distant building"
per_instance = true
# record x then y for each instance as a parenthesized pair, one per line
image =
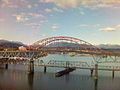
(22, 48)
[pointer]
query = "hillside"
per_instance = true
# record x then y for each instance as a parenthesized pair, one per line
(10, 44)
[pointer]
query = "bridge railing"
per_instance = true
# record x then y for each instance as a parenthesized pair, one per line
(68, 64)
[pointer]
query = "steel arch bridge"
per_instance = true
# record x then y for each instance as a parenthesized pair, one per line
(47, 41)
(47, 45)
(79, 46)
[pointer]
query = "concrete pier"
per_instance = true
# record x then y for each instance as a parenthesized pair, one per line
(96, 71)
(31, 67)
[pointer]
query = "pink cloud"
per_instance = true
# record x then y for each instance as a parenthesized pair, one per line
(87, 3)
(13, 3)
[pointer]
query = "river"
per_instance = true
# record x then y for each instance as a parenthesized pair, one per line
(16, 77)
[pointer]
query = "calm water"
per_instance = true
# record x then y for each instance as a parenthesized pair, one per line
(17, 78)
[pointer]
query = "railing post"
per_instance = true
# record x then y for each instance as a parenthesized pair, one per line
(96, 71)
(31, 66)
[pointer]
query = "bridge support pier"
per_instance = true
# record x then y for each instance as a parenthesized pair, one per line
(45, 69)
(96, 71)
(113, 73)
(6, 66)
(91, 72)
(31, 67)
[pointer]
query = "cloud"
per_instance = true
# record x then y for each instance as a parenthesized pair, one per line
(29, 6)
(2, 17)
(55, 27)
(44, 35)
(89, 25)
(22, 17)
(82, 13)
(60, 3)
(19, 18)
(48, 10)
(118, 26)
(35, 15)
(63, 3)
(86, 3)
(108, 29)
(2, 20)
(57, 10)
(54, 9)
(33, 25)
(111, 29)
(15, 4)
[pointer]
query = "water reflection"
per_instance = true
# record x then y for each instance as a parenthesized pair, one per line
(30, 80)
(67, 78)
(19, 80)
(95, 84)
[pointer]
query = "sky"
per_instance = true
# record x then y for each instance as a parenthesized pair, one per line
(94, 21)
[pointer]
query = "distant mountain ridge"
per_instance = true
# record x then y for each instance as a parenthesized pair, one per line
(108, 46)
(63, 44)
(104, 46)
(10, 44)
(16, 44)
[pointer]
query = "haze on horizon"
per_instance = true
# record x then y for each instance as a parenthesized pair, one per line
(95, 21)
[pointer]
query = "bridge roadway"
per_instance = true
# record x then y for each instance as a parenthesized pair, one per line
(44, 51)
(22, 54)
(80, 51)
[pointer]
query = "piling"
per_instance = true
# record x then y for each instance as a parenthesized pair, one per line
(45, 69)
(113, 73)
(91, 72)
(6, 66)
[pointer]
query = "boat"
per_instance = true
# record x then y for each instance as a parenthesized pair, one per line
(63, 72)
